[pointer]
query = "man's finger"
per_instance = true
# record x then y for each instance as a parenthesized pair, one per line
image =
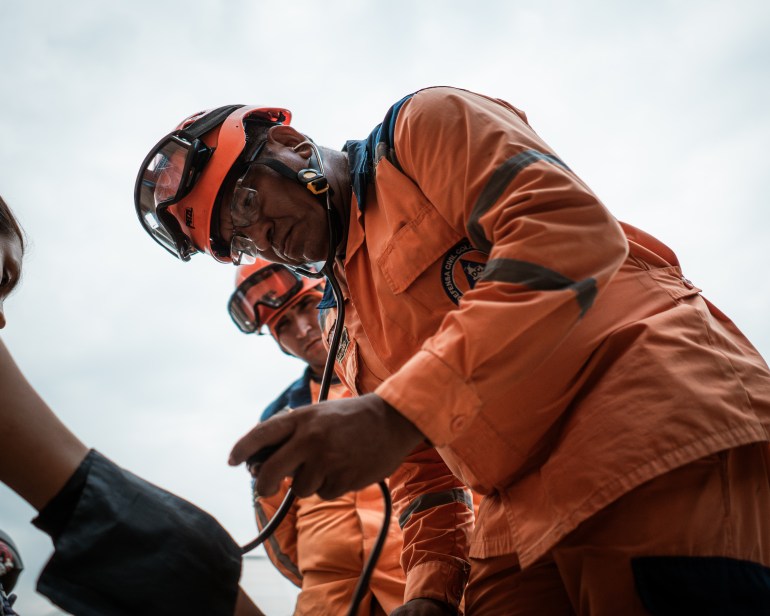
(283, 463)
(271, 432)
(307, 480)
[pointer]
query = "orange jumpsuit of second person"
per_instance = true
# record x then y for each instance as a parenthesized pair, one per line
(320, 546)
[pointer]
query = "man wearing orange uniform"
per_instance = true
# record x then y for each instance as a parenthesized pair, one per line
(320, 545)
(559, 361)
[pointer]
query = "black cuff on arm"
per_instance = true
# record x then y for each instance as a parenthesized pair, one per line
(55, 515)
(128, 547)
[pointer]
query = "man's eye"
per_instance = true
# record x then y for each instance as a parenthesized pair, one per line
(244, 205)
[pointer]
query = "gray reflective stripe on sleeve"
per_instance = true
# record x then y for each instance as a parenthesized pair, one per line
(539, 278)
(436, 499)
(282, 557)
(500, 179)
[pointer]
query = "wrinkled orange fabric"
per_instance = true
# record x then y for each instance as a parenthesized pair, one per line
(580, 365)
(715, 506)
(436, 540)
(321, 546)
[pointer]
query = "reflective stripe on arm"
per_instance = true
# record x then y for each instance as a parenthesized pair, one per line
(436, 520)
(428, 501)
(281, 546)
(528, 274)
(494, 188)
(539, 278)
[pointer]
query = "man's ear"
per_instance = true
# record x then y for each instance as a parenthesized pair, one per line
(289, 137)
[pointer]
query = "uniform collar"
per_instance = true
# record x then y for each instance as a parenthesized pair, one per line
(363, 155)
(361, 165)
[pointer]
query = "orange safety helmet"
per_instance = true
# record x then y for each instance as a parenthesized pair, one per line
(263, 291)
(178, 185)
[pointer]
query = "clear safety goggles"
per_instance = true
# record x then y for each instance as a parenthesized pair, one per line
(261, 294)
(167, 176)
(243, 249)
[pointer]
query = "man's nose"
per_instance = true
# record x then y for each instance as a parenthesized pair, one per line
(304, 326)
(260, 232)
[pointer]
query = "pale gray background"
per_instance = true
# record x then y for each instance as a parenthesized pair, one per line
(662, 107)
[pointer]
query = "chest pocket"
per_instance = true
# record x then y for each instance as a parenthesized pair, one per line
(415, 247)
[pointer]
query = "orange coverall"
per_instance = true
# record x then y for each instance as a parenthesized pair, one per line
(321, 546)
(556, 358)
(434, 508)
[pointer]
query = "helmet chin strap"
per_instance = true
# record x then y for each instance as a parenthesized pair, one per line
(314, 179)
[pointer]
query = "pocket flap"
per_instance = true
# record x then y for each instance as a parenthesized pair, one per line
(414, 247)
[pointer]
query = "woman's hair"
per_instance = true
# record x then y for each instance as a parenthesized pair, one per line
(9, 226)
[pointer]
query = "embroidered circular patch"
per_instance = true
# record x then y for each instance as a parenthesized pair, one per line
(461, 269)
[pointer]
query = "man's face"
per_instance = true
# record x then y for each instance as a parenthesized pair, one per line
(284, 219)
(298, 332)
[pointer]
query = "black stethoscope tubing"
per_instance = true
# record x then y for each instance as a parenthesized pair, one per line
(280, 514)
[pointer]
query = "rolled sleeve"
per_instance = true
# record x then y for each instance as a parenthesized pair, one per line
(440, 580)
(441, 413)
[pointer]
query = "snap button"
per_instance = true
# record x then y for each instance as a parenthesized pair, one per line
(688, 283)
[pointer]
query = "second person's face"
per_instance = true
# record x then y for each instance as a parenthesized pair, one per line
(298, 332)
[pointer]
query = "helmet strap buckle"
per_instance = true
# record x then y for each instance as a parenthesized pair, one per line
(313, 180)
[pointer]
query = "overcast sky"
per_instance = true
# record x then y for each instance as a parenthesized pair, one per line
(660, 106)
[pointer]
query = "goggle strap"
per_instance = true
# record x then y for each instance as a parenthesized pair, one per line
(208, 122)
(279, 167)
(316, 184)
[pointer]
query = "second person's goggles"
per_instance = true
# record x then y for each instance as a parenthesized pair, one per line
(258, 297)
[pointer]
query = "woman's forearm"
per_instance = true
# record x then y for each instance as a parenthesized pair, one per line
(37, 457)
(38, 452)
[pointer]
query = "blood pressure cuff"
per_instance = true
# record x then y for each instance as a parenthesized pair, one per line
(125, 547)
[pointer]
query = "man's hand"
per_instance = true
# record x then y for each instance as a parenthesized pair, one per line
(424, 607)
(330, 448)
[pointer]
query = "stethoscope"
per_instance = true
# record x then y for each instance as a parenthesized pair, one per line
(313, 179)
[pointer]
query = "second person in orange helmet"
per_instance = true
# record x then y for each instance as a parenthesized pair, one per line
(321, 545)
